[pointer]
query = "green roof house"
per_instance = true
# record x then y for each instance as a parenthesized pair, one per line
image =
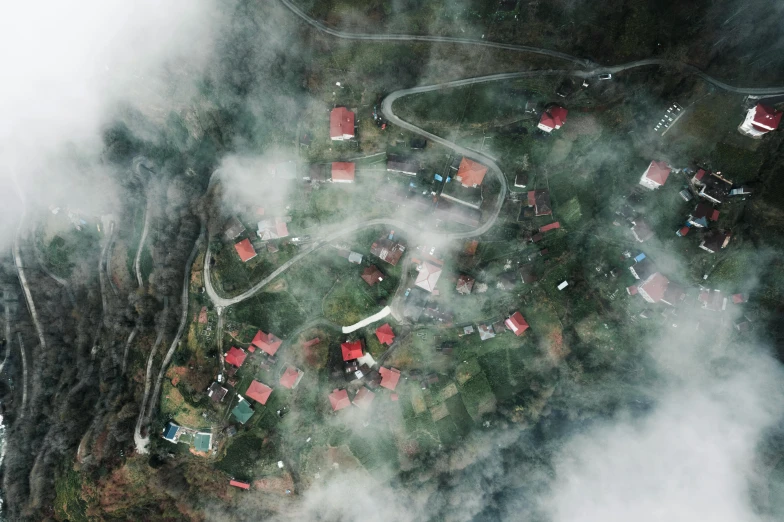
(242, 412)
(203, 441)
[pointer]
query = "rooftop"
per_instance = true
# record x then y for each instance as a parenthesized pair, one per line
(389, 377)
(470, 173)
(338, 399)
(245, 250)
(258, 391)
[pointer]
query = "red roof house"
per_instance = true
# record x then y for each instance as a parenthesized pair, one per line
(259, 392)
(655, 175)
(363, 398)
(245, 250)
(290, 377)
(342, 172)
(552, 118)
(551, 226)
(389, 377)
(238, 484)
(351, 350)
(654, 287)
(516, 323)
(339, 399)
(470, 173)
(267, 342)
(235, 357)
(341, 124)
(760, 120)
(385, 334)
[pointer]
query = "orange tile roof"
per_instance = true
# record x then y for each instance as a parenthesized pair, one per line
(363, 398)
(267, 342)
(258, 391)
(389, 377)
(342, 171)
(235, 357)
(385, 334)
(339, 399)
(245, 250)
(289, 377)
(470, 173)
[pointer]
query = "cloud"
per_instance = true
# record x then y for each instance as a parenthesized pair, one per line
(692, 457)
(68, 66)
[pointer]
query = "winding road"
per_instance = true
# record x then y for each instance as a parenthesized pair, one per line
(387, 110)
(138, 258)
(589, 67)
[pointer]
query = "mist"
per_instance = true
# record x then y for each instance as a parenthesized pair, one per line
(70, 68)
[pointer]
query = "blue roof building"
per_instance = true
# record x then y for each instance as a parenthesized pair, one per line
(170, 432)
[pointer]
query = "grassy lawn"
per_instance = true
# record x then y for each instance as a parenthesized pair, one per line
(241, 455)
(68, 504)
(277, 313)
(349, 302)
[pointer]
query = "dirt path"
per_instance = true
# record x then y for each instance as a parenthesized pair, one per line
(183, 322)
(145, 230)
(589, 68)
(368, 320)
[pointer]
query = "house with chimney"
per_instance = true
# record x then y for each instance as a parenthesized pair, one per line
(341, 124)
(760, 120)
(552, 119)
(714, 240)
(655, 175)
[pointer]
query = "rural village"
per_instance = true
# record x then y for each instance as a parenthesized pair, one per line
(359, 362)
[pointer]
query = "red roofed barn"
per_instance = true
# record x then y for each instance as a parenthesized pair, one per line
(341, 124)
(267, 342)
(339, 399)
(259, 392)
(760, 120)
(655, 175)
(552, 118)
(470, 173)
(351, 350)
(342, 172)
(516, 323)
(235, 357)
(389, 377)
(385, 334)
(245, 250)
